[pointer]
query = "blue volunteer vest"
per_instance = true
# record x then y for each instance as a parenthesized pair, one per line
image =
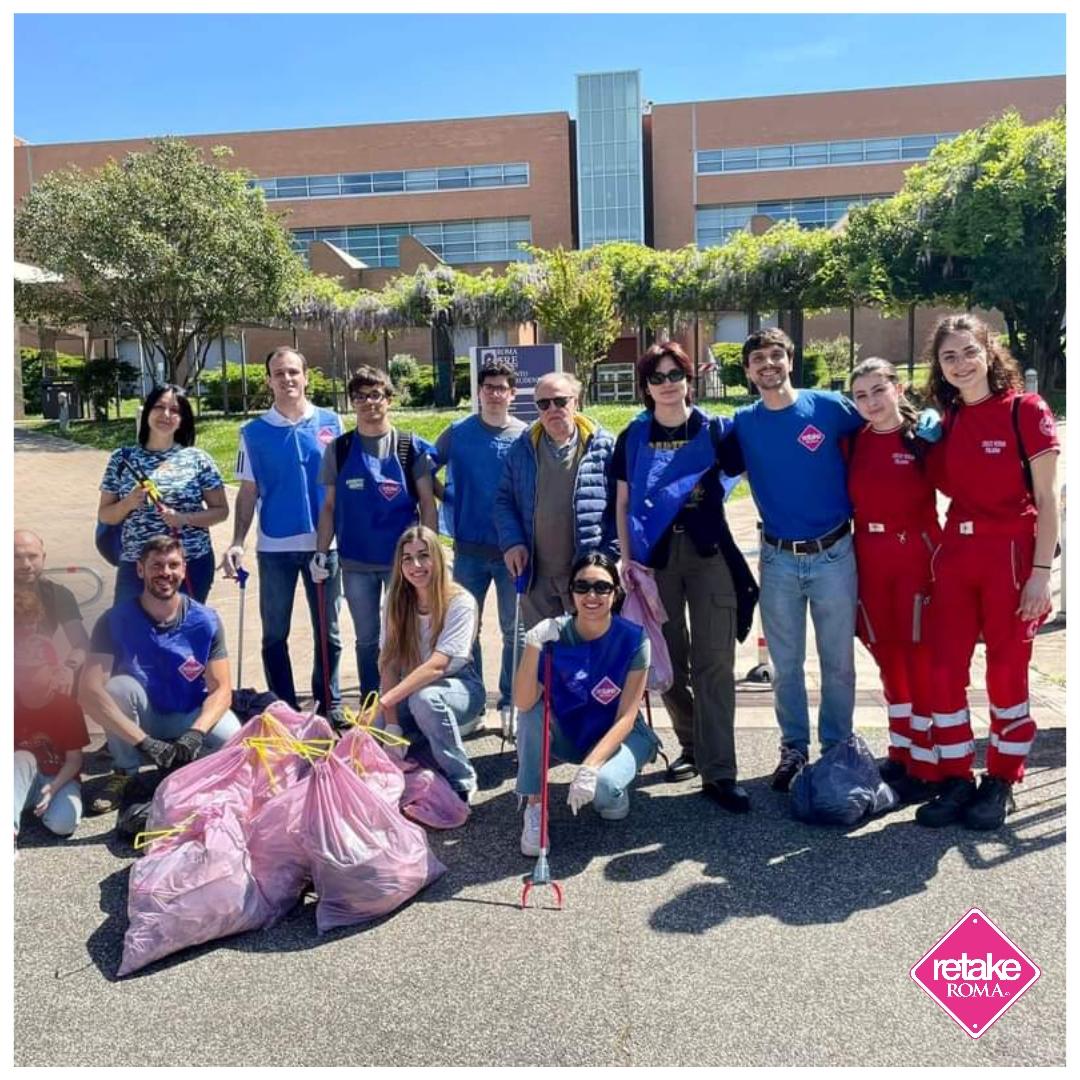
(587, 682)
(472, 478)
(169, 664)
(372, 506)
(285, 461)
(660, 482)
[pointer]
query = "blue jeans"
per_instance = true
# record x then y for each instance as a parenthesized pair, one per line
(363, 594)
(616, 774)
(436, 712)
(131, 699)
(278, 571)
(476, 573)
(200, 572)
(65, 808)
(828, 582)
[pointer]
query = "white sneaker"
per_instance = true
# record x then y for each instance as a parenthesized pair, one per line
(530, 830)
(471, 725)
(618, 809)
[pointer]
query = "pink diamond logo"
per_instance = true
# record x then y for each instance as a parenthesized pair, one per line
(975, 973)
(325, 435)
(605, 691)
(811, 437)
(389, 490)
(191, 669)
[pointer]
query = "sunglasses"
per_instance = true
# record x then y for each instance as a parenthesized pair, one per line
(658, 378)
(375, 396)
(545, 403)
(583, 588)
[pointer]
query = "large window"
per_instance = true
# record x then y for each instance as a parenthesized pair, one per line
(715, 224)
(814, 155)
(395, 182)
(483, 241)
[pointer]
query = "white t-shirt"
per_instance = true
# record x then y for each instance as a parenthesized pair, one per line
(301, 541)
(458, 633)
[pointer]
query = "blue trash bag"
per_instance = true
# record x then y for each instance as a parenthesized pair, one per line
(842, 787)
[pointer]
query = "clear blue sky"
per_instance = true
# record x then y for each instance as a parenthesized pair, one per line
(82, 77)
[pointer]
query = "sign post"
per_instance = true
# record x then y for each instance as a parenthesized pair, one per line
(529, 363)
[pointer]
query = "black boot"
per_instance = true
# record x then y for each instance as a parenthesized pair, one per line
(948, 808)
(992, 802)
(683, 767)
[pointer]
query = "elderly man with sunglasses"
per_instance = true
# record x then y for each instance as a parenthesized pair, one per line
(552, 503)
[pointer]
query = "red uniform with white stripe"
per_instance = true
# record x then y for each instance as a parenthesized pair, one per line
(979, 572)
(896, 531)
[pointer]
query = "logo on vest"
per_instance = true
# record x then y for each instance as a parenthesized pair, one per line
(811, 438)
(326, 435)
(975, 973)
(191, 669)
(389, 489)
(1046, 423)
(605, 691)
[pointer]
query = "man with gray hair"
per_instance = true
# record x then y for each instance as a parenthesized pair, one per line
(552, 503)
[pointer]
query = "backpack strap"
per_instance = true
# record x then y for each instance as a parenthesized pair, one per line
(1025, 461)
(342, 446)
(406, 454)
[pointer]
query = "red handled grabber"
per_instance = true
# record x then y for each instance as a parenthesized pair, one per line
(320, 602)
(509, 718)
(541, 874)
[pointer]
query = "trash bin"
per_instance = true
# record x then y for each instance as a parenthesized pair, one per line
(50, 400)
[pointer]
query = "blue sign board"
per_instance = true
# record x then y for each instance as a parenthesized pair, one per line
(529, 362)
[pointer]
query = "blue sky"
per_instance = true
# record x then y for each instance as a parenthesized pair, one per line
(82, 77)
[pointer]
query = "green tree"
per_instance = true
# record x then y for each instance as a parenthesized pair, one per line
(163, 244)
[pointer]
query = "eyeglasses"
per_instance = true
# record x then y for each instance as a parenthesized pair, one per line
(423, 557)
(375, 396)
(494, 388)
(545, 403)
(658, 378)
(583, 588)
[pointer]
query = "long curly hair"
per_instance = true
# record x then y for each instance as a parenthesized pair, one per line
(1002, 370)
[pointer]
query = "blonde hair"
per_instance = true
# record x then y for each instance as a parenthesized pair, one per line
(401, 648)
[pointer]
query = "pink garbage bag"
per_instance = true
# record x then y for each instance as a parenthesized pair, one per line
(377, 769)
(429, 800)
(224, 778)
(644, 607)
(300, 725)
(366, 859)
(279, 862)
(190, 888)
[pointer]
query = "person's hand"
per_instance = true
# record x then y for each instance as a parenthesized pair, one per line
(44, 800)
(134, 499)
(397, 750)
(582, 788)
(231, 560)
(63, 680)
(516, 559)
(1035, 599)
(632, 574)
(928, 426)
(160, 752)
(544, 631)
(173, 518)
(187, 746)
(318, 568)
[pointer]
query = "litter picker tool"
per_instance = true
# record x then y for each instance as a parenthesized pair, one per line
(320, 603)
(541, 874)
(509, 717)
(241, 579)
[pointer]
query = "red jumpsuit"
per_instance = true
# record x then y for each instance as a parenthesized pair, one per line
(979, 572)
(896, 532)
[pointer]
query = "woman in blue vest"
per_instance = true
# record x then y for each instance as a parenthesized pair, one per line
(599, 665)
(669, 466)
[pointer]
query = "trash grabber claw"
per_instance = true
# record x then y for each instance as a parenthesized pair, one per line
(241, 579)
(541, 874)
(509, 718)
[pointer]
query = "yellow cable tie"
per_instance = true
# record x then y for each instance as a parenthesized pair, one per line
(145, 839)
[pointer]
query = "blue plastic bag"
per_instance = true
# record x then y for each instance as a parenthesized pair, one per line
(842, 787)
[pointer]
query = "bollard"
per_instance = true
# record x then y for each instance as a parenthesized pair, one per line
(1031, 381)
(762, 671)
(64, 414)
(1061, 606)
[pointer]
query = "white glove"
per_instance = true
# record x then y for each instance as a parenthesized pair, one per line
(231, 560)
(317, 567)
(544, 631)
(397, 750)
(583, 789)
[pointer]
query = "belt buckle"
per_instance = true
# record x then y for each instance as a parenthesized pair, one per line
(967, 528)
(875, 527)
(798, 546)
(678, 528)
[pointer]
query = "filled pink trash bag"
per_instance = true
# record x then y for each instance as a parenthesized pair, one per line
(366, 859)
(429, 799)
(378, 770)
(279, 862)
(191, 888)
(644, 607)
(300, 725)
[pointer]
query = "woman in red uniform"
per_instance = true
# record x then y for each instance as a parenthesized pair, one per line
(896, 531)
(997, 461)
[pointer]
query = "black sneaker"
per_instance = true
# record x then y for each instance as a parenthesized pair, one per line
(909, 789)
(992, 802)
(683, 767)
(791, 761)
(891, 771)
(727, 794)
(111, 792)
(948, 807)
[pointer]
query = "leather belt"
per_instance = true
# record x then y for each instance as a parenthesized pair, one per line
(809, 547)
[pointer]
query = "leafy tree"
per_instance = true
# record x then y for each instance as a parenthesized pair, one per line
(163, 244)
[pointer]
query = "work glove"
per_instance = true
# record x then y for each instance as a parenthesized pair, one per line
(231, 560)
(318, 568)
(160, 752)
(583, 788)
(187, 747)
(544, 631)
(928, 426)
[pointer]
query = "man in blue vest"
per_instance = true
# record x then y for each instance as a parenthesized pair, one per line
(552, 504)
(472, 451)
(376, 483)
(157, 678)
(278, 468)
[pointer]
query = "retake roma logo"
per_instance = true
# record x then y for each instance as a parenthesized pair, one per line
(389, 489)
(191, 669)
(605, 691)
(811, 437)
(325, 435)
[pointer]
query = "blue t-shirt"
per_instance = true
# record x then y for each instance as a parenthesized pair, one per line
(795, 464)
